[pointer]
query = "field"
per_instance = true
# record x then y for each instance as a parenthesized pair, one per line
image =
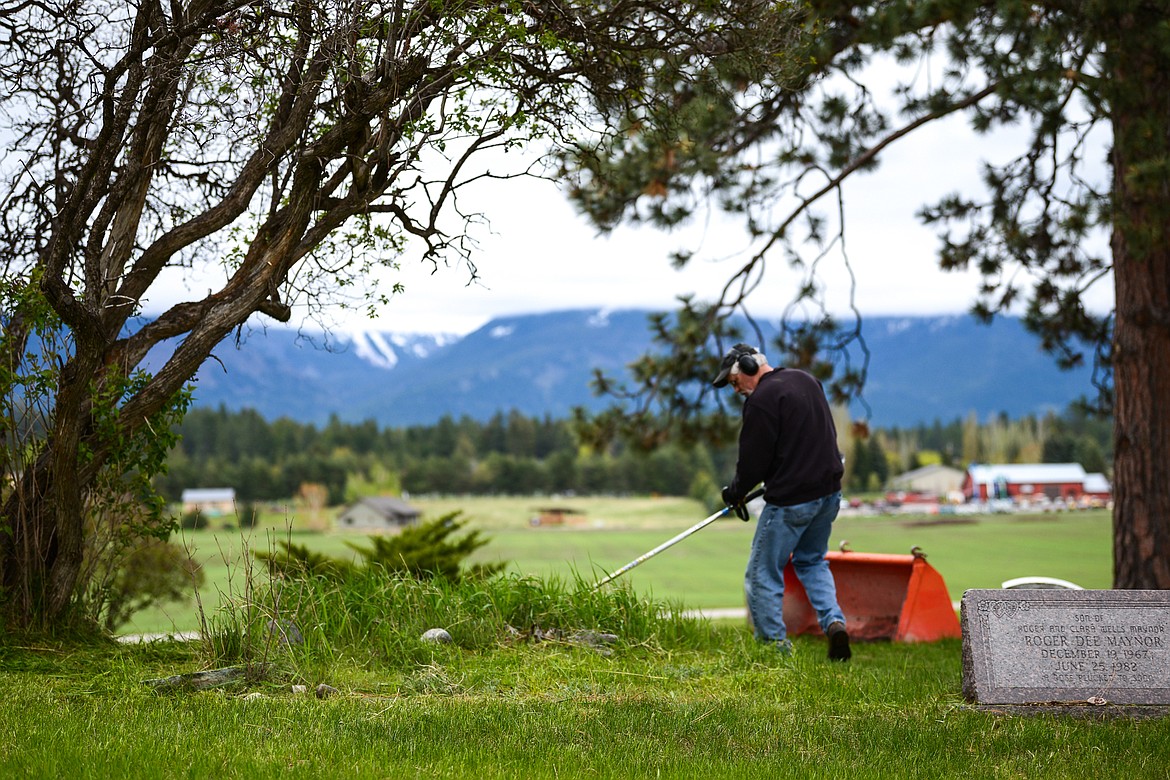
(671, 697)
(703, 571)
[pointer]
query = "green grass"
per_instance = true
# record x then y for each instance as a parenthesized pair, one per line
(729, 709)
(703, 571)
(706, 570)
(673, 698)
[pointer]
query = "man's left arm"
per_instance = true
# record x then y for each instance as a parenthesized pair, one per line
(757, 440)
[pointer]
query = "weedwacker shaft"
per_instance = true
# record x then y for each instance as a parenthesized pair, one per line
(673, 541)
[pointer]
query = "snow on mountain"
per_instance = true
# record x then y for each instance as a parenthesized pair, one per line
(385, 350)
(920, 369)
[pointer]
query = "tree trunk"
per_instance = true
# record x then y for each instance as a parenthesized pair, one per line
(45, 545)
(1139, 69)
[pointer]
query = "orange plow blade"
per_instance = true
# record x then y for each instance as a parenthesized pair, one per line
(900, 598)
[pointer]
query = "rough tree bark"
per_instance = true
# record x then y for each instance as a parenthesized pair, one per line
(1140, 98)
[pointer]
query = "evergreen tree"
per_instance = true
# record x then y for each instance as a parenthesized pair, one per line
(430, 549)
(878, 463)
(858, 466)
(1075, 76)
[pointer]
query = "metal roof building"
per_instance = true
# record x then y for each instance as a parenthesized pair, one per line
(1008, 480)
(381, 513)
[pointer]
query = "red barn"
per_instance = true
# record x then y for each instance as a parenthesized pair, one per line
(1066, 481)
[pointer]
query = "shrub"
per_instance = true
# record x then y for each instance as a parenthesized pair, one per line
(153, 572)
(298, 561)
(248, 515)
(193, 520)
(422, 551)
(128, 562)
(428, 550)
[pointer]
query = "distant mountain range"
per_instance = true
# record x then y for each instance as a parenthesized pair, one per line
(921, 369)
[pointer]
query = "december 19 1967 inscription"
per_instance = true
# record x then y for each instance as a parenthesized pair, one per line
(1025, 646)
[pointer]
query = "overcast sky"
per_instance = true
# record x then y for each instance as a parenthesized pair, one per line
(539, 255)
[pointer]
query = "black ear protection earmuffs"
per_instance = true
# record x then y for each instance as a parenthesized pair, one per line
(747, 362)
(742, 359)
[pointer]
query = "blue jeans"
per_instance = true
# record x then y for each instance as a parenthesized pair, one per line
(802, 532)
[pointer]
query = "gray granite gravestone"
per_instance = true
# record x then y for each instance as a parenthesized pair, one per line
(1045, 646)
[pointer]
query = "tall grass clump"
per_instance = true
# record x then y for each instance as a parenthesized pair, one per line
(308, 609)
(381, 616)
(377, 617)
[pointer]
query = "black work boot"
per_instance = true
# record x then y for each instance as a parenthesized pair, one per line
(838, 642)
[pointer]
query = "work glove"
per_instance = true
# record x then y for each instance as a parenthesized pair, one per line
(735, 503)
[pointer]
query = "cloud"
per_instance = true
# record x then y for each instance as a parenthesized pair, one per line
(538, 255)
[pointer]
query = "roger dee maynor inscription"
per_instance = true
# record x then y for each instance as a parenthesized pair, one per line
(1047, 645)
(1094, 649)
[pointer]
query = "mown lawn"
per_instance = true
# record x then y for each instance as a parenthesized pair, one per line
(549, 710)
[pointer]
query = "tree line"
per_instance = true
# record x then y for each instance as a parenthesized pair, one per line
(509, 454)
(515, 454)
